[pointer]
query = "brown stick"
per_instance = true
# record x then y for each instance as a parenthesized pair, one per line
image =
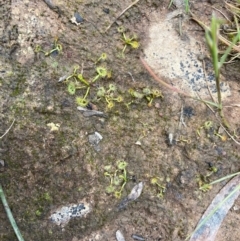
(172, 88)
(7, 130)
(221, 38)
(135, 2)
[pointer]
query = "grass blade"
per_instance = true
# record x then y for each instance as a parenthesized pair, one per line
(9, 214)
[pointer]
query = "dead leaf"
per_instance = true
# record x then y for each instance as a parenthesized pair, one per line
(210, 222)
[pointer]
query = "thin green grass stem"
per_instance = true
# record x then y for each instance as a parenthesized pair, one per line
(228, 50)
(170, 4)
(187, 6)
(212, 41)
(224, 178)
(86, 94)
(10, 216)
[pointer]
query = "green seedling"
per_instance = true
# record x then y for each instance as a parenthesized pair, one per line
(121, 29)
(57, 47)
(151, 94)
(102, 57)
(76, 81)
(118, 178)
(160, 188)
(207, 186)
(77, 77)
(130, 41)
(127, 41)
(101, 73)
(147, 93)
(206, 126)
(183, 139)
(82, 101)
(135, 94)
(71, 88)
(222, 137)
(82, 80)
(38, 213)
(109, 95)
(211, 35)
(122, 176)
(203, 182)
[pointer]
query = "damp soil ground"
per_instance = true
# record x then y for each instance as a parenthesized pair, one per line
(44, 169)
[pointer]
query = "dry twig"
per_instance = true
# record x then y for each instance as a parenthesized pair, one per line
(172, 88)
(135, 2)
(7, 130)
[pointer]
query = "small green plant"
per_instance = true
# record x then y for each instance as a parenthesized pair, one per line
(57, 48)
(160, 188)
(118, 178)
(71, 88)
(211, 35)
(77, 77)
(101, 73)
(109, 95)
(83, 101)
(203, 182)
(9, 215)
(206, 126)
(209, 129)
(221, 136)
(76, 81)
(103, 57)
(149, 94)
(128, 41)
(38, 212)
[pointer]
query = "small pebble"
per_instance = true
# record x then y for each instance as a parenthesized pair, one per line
(89, 113)
(106, 10)
(138, 237)
(98, 135)
(78, 18)
(157, 105)
(119, 236)
(2, 163)
(95, 138)
(135, 192)
(61, 79)
(171, 141)
(138, 143)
